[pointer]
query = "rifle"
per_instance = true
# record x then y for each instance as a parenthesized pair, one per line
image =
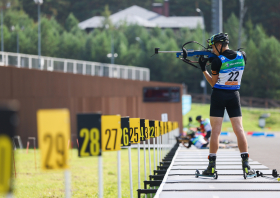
(205, 53)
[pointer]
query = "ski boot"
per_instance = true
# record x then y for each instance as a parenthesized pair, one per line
(210, 171)
(247, 172)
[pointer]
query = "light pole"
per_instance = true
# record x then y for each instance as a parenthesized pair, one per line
(112, 49)
(242, 14)
(13, 28)
(39, 3)
(2, 36)
(140, 41)
(2, 18)
(111, 55)
(115, 55)
(203, 43)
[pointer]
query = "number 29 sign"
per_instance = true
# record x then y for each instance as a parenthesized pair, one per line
(7, 131)
(53, 135)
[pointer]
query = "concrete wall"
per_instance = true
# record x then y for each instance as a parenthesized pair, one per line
(36, 89)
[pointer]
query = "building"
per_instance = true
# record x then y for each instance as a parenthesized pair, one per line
(159, 17)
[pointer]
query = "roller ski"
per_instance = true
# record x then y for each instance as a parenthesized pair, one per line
(210, 171)
(247, 171)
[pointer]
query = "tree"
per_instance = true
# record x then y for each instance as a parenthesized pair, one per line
(71, 22)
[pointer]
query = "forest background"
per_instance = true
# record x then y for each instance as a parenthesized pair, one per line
(62, 38)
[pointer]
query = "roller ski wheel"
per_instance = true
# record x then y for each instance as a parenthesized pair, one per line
(245, 175)
(214, 175)
(251, 174)
(274, 173)
(197, 173)
(259, 174)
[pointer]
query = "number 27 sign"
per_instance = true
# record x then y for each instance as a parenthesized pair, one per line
(111, 132)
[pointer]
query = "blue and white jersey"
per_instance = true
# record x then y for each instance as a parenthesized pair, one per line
(231, 72)
(198, 141)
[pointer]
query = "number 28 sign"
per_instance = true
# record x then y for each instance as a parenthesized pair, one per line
(89, 134)
(53, 135)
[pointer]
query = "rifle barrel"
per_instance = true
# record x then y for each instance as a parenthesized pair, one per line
(169, 51)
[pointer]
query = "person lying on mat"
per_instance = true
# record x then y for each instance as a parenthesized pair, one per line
(199, 142)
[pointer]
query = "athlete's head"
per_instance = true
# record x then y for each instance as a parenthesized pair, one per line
(218, 43)
(191, 134)
(198, 118)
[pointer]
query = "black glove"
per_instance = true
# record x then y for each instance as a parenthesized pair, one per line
(211, 59)
(202, 62)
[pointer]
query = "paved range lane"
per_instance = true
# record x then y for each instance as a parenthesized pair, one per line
(180, 180)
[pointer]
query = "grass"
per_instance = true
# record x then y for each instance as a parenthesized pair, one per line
(84, 175)
(250, 118)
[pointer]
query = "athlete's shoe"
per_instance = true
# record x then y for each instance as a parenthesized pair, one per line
(245, 164)
(210, 170)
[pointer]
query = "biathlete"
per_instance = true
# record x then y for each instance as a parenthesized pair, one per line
(205, 127)
(199, 142)
(227, 70)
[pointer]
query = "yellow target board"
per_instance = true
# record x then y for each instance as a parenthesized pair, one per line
(8, 117)
(157, 128)
(152, 128)
(5, 163)
(135, 130)
(111, 132)
(163, 127)
(53, 136)
(176, 125)
(147, 129)
(169, 124)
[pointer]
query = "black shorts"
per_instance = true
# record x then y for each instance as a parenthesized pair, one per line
(208, 134)
(205, 145)
(225, 99)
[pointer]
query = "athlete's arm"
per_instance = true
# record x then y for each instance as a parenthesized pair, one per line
(215, 67)
(211, 79)
(202, 128)
(190, 144)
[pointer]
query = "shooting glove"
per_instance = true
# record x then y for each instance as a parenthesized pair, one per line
(202, 62)
(211, 59)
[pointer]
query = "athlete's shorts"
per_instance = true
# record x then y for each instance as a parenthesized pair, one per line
(208, 134)
(225, 99)
(204, 146)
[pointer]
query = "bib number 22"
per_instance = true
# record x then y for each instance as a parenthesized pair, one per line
(232, 74)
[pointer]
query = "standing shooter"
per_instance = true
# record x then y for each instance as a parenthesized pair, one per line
(227, 70)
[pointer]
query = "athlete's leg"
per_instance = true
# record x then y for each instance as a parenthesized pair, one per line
(216, 123)
(239, 132)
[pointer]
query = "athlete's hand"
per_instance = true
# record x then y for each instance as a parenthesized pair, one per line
(202, 62)
(211, 59)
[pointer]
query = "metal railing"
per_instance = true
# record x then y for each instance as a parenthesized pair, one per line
(74, 66)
